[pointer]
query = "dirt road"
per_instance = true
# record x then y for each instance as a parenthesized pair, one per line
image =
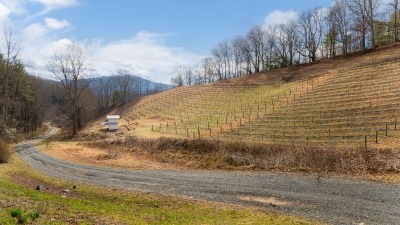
(334, 200)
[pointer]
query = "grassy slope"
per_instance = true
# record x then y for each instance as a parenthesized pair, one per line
(337, 101)
(91, 205)
(324, 112)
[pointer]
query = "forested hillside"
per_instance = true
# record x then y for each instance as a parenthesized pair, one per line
(21, 101)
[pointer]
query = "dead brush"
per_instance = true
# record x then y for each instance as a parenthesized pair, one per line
(5, 152)
(209, 154)
(93, 136)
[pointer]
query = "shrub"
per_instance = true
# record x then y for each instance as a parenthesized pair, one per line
(34, 215)
(4, 152)
(16, 213)
(19, 216)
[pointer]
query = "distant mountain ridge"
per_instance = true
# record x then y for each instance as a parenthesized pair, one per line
(146, 86)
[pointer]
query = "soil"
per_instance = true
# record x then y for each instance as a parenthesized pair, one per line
(31, 183)
(73, 152)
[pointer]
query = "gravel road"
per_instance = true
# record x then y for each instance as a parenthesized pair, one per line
(333, 200)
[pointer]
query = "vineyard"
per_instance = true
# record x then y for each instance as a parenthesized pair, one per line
(353, 102)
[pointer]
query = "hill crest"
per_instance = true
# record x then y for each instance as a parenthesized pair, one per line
(339, 101)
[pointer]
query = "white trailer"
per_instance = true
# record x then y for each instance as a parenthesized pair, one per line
(112, 121)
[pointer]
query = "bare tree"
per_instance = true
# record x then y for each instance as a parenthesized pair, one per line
(218, 61)
(68, 67)
(178, 76)
(189, 77)
(365, 14)
(292, 37)
(237, 56)
(247, 54)
(146, 85)
(270, 45)
(41, 101)
(208, 70)
(140, 85)
(104, 89)
(226, 50)
(311, 22)
(256, 42)
(341, 21)
(358, 8)
(198, 76)
(281, 47)
(124, 83)
(332, 33)
(394, 4)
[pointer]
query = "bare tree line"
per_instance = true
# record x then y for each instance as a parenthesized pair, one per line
(346, 26)
(72, 98)
(120, 88)
(80, 97)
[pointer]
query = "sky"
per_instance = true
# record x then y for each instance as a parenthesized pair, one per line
(144, 37)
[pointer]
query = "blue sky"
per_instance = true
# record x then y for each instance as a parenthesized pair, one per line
(146, 37)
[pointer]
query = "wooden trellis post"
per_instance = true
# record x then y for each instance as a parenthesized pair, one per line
(386, 133)
(198, 131)
(265, 106)
(365, 142)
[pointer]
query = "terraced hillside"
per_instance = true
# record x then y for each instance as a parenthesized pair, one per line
(351, 100)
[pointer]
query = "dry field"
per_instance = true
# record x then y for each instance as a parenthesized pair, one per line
(337, 102)
(336, 115)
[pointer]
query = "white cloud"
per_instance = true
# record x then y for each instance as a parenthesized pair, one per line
(4, 13)
(53, 4)
(56, 24)
(279, 17)
(56, 46)
(144, 55)
(17, 7)
(49, 5)
(9, 7)
(37, 31)
(33, 32)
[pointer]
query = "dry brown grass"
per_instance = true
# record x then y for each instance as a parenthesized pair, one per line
(5, 153)
(278, 120)
(109, 157)
(348, 98)
(212, 154)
